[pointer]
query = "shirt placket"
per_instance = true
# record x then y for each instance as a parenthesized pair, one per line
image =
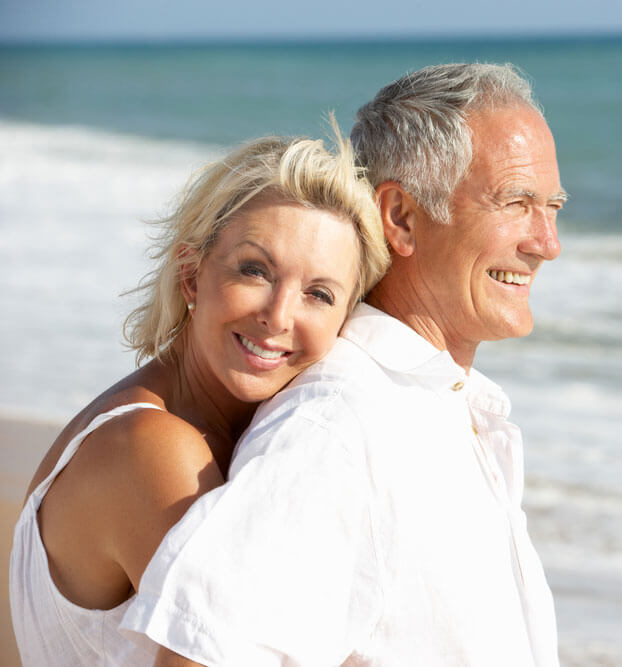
(496, 483)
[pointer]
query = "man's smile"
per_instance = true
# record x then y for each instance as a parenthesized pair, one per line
(510, 277)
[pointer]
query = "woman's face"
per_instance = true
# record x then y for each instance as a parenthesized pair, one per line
(271, 297)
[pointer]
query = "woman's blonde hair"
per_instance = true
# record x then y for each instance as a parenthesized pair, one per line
(300, 171)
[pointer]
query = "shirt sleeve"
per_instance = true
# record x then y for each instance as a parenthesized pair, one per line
(275, 567)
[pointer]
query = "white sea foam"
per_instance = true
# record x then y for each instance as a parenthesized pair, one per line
(71, 205)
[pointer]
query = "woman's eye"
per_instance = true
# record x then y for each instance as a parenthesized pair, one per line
(323, 295)
(253, 270)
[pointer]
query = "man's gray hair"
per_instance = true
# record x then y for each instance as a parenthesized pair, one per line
(415, 130)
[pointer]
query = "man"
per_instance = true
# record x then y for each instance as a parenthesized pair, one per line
(373, 515)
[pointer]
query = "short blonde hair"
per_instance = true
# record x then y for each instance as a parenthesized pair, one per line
(296, 170)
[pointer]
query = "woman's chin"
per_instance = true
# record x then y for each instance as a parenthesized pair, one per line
(256, 390)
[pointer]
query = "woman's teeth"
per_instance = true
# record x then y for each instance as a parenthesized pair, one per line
(509, 277)
(259, 351)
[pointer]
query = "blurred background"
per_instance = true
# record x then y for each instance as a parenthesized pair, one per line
(105, 111)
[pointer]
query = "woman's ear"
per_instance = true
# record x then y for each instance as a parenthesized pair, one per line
(398, 213)
(188, 265)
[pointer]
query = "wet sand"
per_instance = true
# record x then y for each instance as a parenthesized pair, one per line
(22, 445)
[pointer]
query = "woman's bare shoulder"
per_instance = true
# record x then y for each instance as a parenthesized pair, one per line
(103, 403)
(155, 449)
(154, 465)
(128, 483)
(143, 445)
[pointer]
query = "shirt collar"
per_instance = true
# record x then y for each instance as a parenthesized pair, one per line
(487, 396)
(397, 347)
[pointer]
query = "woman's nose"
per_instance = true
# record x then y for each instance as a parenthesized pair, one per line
(277, 316)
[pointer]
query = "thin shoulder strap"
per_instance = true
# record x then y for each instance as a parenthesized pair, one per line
(73, 445)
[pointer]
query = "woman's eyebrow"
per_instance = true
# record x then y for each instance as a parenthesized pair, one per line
(257, 246)
(327, 280)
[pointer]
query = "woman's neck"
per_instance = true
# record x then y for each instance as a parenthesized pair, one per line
(207, 405)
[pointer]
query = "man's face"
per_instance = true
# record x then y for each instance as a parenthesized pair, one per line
(477, 271)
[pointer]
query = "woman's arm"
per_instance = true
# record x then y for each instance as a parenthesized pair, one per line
(167, 465)
(167, 658)
(105, 515)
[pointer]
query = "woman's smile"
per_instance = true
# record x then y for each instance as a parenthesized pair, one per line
(264, 355)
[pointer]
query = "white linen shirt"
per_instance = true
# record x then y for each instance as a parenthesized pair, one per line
(372, 517)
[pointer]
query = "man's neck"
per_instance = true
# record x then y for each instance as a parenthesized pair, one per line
(401, 301)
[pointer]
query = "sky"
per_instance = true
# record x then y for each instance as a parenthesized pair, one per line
(78, 20)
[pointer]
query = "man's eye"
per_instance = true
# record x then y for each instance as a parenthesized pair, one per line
(323, 295)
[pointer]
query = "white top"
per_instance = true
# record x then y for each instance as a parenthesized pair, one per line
(364, 523)
(51, 630)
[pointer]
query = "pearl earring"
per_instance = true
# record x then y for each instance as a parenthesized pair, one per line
(191, 306)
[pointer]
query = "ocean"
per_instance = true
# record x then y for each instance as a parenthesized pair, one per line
(97, 139)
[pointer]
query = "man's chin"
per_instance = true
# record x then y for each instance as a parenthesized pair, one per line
(513, 328)
(524, 329)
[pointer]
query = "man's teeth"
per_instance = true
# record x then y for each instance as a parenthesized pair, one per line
(509, 277)
(259, 351)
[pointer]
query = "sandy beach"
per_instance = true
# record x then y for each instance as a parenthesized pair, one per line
(22, 445)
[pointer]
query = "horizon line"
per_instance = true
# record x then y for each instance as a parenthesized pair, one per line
(311, 39)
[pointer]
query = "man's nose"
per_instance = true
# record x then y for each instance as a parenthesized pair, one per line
(277, 316)
(542, 239)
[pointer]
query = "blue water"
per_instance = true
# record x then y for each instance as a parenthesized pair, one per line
(223, 93)
(95, 139)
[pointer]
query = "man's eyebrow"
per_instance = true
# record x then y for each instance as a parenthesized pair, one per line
(518, 192)
(562, 195)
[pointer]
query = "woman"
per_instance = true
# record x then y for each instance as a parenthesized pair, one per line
(264, 258)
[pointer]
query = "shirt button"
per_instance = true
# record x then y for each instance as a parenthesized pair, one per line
(458, 386)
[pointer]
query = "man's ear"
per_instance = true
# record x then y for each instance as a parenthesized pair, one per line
(188, 266)
(397, 210)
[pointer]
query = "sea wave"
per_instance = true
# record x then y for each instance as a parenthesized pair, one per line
(72, 202)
